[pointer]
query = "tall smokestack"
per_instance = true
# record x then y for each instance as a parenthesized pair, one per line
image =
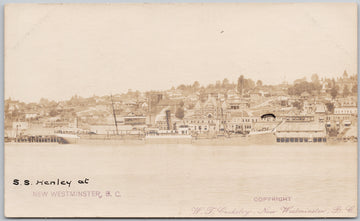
(168, 119)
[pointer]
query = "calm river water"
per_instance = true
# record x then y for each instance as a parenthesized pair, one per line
(174, 180)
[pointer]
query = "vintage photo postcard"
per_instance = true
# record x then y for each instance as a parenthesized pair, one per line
(181, 110)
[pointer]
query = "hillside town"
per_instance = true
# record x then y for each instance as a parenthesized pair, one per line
(318, 110)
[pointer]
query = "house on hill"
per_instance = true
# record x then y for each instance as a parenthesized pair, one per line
(305, 95)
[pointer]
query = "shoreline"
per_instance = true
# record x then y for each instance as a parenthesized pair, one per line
(202, 143)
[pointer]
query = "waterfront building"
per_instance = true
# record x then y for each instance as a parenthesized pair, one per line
(265, 124)
(31, 115)
(320, 112)
(206, 116)
(320, 108)
(237, 104)
(350, 134)
(341, 117)
(350, 101)
(291, 132)
(203, 125)
(352, 110)
(18, 125)
(135, 120)
(297, 118)
(240, 122)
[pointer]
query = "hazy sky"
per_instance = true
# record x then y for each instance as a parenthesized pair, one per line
(56, 51)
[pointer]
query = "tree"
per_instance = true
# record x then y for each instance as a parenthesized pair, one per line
(346, 91)
(181, 87)
(225, 82)
(218, 84)
(291, 91)
(244, 84)
(180, 113)
(298, 105)
(249, 84)
(53, 113)
(333, 82)
(203, 96)
(315, 78)
(354, 77)
(196, 85)
(298, 81)
(298, 88)
(354, 89)
(44, 101)
(259, 83)
(333, 92)
(15, 113)
(345, 74)
(240, 85)
(330, 107)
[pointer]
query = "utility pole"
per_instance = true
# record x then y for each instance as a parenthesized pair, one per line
(113, 109)
(149, 107)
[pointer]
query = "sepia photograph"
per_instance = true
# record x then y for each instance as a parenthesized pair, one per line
(181, 110)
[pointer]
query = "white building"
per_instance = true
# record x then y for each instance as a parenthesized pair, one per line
(20, 125)
(345, 110)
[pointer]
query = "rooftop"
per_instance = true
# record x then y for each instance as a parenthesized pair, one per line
(301, 127)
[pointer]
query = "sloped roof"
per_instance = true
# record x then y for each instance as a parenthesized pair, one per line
(210, 101)
(320, 108)
(301, 127)
(241, 113)
(238, 101)
(305, 93)
(198, 105)
(301, 134)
